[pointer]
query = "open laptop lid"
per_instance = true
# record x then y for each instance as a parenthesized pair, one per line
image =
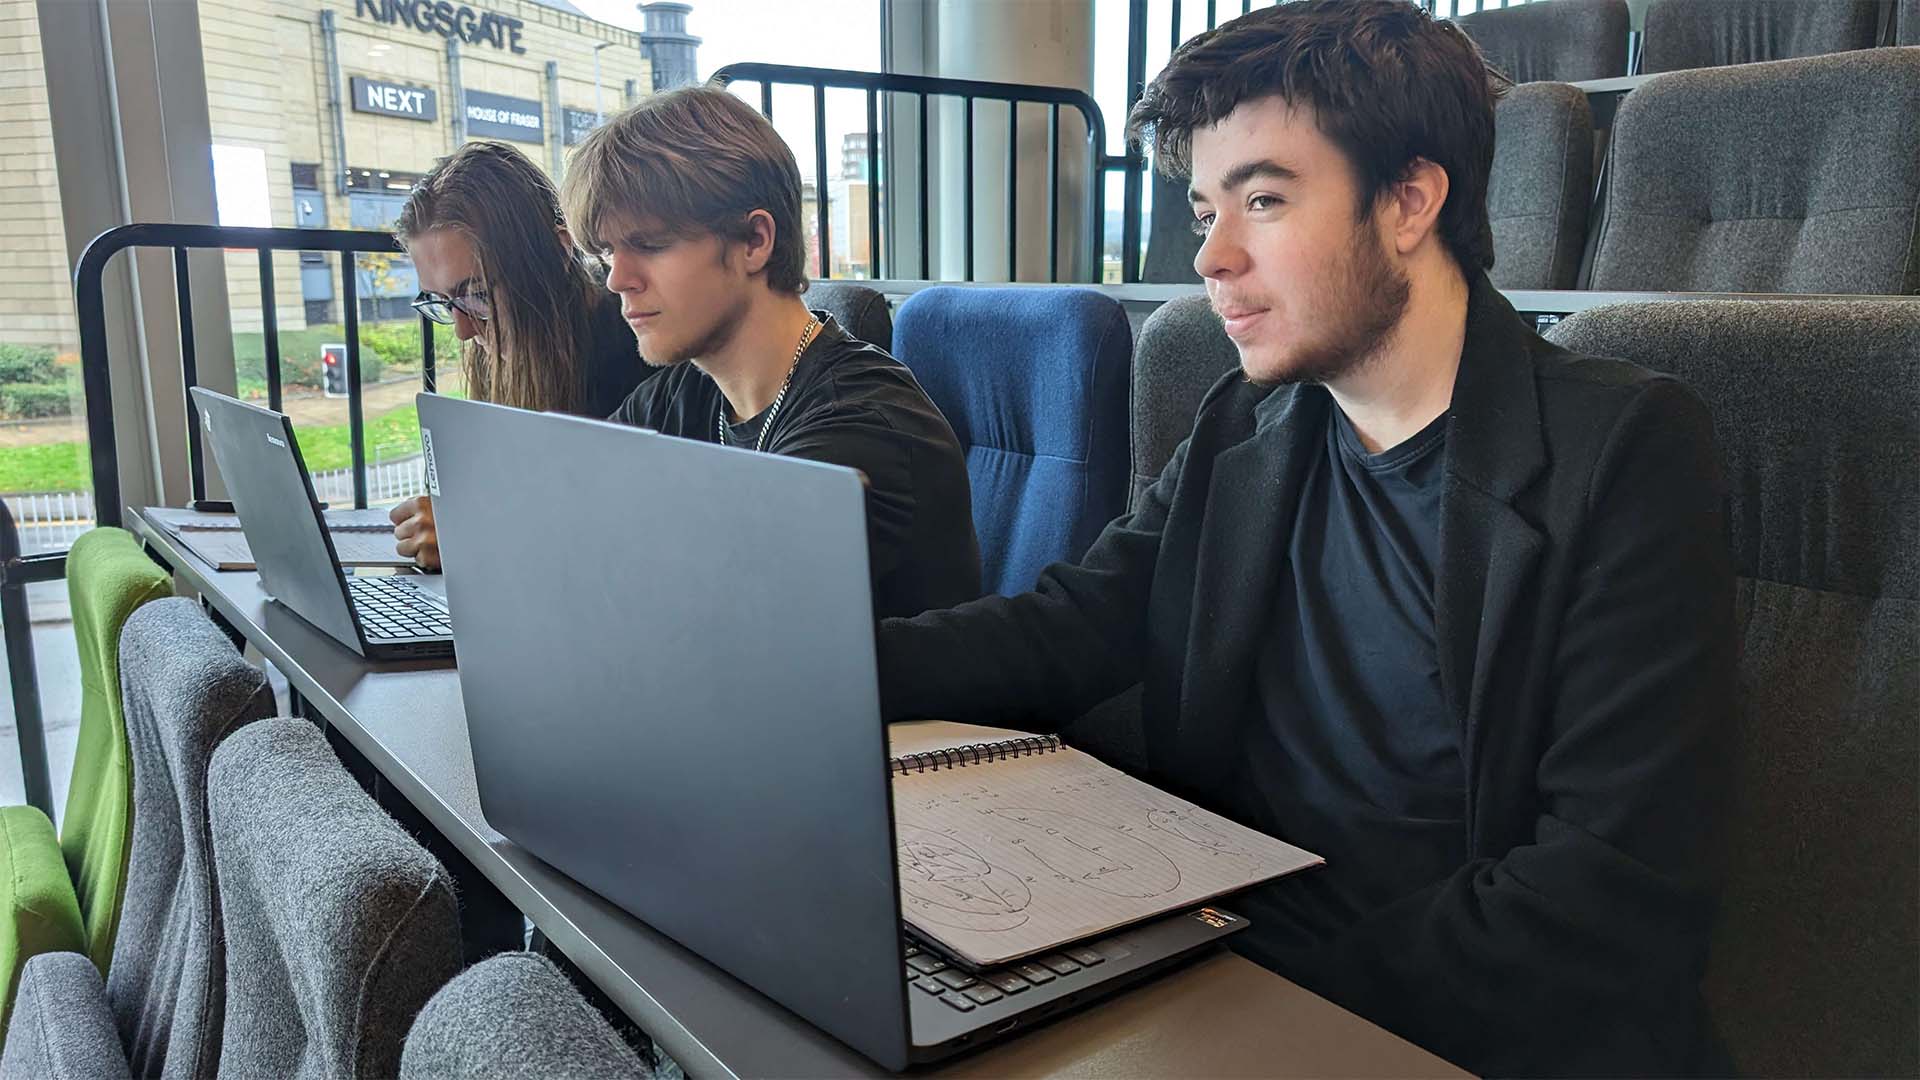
(273, 495)
(667, 658)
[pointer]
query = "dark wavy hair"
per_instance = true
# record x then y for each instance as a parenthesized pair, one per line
(1388, 85)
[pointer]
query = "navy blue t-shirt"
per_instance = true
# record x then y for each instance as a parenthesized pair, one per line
(1351, 751)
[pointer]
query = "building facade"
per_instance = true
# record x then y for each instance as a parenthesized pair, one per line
(323, 114)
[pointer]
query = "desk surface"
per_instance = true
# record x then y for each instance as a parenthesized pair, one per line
(1223, 1016)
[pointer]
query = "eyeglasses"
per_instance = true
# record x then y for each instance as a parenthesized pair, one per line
(440, 307)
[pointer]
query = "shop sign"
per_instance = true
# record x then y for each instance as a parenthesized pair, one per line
(447, 20)
(578, 124)
(391, 99)
(497, 116)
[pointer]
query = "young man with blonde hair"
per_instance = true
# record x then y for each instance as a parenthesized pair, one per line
(692, 201)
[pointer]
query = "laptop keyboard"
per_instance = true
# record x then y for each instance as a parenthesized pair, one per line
(391, 607)
(964, 990)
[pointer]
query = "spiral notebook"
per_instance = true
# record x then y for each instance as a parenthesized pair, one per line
(1012, 844)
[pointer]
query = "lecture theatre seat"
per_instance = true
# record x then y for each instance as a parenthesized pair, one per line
(1791, 176)
(1541, 186)
(860, 311)
(65, 890)
(339, 926)
(1182, 351)
(1682, 34)
(1034, 382)
(1553, 40)
(186, 688)
(1815, 965)
(514, 1017)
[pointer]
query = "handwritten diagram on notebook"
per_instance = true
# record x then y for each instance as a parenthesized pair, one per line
(1011, 845)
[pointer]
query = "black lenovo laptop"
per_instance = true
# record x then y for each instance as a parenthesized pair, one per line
(381, 617)
(683, 714)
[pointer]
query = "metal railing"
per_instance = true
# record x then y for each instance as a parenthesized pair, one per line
(19, 569)
(923, 88)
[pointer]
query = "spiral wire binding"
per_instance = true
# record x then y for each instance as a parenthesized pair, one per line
(959, 757)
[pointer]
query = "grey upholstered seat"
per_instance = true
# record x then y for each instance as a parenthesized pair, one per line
(860, 311)
(1181, 352)
(1906, 24)
(62, 1028)
(1791, 176)
(185, 688)
(1541, 186)
(339, 925)
(1553, 40)
(1711, 33)
(515, 1017)
(1816, 959)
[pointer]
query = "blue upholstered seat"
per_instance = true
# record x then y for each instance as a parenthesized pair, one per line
(1034, 382)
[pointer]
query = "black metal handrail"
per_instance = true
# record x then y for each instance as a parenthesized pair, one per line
(90, 302)
(923, 87)
(17, 570)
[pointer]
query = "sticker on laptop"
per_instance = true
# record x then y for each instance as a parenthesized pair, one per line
(426, 455)
(1217, 919)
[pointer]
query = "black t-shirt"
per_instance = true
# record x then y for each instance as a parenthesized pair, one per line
(613, 365)
(851, 404)
(1352, 753)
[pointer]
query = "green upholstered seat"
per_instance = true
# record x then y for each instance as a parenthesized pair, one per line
(42, 914)
(108, 577)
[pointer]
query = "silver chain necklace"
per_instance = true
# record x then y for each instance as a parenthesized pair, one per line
(773, 410)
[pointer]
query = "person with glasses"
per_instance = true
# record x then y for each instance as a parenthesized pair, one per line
(537, 326)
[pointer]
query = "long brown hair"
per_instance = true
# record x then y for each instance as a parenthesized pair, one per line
(533, 352)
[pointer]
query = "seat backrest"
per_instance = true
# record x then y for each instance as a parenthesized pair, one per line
(1553, 40)
(1034, 382)
(516, 1017)
(62, 1028)
(339, 926)
(1712, 33)
(860, 311)
(1815, 966)
(186, 687)
(1183, 350)
(1541, 185)
(1792, 176)
(108, 577)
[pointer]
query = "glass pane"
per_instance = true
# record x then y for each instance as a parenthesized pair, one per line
(44, 466)
(327, 119)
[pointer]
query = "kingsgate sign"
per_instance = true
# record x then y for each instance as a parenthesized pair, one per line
(447, 20)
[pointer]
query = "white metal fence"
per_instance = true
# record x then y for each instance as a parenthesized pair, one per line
(51, 520)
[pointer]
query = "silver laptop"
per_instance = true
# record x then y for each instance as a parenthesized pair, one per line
(681, 711)
(383, 617)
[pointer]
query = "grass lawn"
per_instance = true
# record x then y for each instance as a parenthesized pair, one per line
(65, 466)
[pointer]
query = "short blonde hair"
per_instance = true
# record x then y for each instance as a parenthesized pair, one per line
(694, 160)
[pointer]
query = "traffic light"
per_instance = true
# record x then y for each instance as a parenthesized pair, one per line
(333, 370)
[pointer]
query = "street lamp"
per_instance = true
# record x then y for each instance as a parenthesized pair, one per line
(599, 111)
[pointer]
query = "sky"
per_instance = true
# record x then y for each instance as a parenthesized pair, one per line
(781, 32)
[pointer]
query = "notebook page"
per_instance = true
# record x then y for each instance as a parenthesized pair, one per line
(1009, 858)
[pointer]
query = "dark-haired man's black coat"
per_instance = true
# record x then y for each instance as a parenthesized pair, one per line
(1584, 610)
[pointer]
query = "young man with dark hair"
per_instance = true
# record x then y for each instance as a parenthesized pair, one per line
(1422, 592)
(692, 200)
